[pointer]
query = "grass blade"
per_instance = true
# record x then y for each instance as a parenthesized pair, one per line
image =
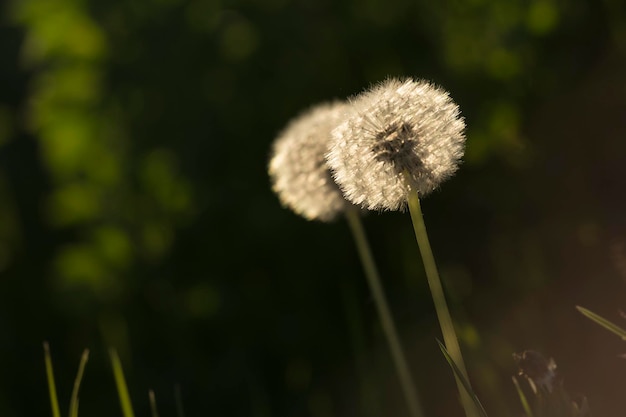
(464, 381)
(52, 389)
(614, 328)
(523, 399)
(153, 406)
(120, 382)
(79, 376)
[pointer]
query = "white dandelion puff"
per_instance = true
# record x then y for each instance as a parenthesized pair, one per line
(297, 168)
(402, 135)
(303, 182)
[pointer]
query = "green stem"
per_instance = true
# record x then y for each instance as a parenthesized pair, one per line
(367, 387)
(79, 377)
(52, 389)
(389, 328)
(120, 382)
(439, 299)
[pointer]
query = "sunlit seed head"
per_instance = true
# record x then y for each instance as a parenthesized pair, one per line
(297, 168)
(399, 130)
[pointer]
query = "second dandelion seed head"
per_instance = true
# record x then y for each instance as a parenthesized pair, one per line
(297, 167)
(401, 135)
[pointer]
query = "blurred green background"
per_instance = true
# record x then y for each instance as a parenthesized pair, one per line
(136, 212)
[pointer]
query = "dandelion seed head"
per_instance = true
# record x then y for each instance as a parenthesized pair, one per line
(297, 167)
(397, 128)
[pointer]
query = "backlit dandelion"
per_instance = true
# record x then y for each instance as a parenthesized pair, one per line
(297, 168)
(302, 180)
(402, 140)
(402, 135)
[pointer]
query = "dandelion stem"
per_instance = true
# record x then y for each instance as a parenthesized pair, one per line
(370, 406)
(439, 299)
(389, 328)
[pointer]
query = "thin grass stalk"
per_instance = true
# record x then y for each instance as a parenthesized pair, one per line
(441, 306)
(79, 377)
(464, 380)
(120, 382)
(610, 326)
(523, 399)
(153, 406)
(52, 389)
(389, 328)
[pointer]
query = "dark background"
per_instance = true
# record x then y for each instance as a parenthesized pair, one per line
(136, 211)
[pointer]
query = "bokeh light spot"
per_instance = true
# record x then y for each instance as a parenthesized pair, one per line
(504, 120)
(74, 203)
(239, 38)
(65, 145)
(61, 31)
(79, 265)
(542, 17)
(202, 301)
(76, 84)
(202, 15)
(160, 179)
(156, 238)
(113, 244)
(503, 64)
(470, 336)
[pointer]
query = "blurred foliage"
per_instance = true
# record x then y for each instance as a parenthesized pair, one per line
(135, 210)
(119, 204)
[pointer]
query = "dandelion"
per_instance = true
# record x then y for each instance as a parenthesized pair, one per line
(402, 135)
(303, 183)
(297, 167)
(402, 140)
